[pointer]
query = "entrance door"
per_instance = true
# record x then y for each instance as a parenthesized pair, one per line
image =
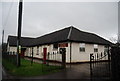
(44, 55)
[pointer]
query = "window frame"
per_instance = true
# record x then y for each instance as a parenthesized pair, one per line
(55, 46)
(82, 47)
(37, 50)
(95, 47)
(106, 48)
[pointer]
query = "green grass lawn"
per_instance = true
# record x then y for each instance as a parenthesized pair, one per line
(26, 69)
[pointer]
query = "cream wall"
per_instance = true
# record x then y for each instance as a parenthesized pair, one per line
(40, 52)
(13, 49)
(78, 56)
(100, 48)
(28, 51)
(8, 47)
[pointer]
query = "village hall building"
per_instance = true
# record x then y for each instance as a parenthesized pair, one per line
(78, 44)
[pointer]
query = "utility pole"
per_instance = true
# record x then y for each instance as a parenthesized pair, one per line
(2, 40)
(32, 57)
(19, 33)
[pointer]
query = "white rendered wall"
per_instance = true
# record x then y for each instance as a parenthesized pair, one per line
(50, 49)
(78, 56)
(13, 49)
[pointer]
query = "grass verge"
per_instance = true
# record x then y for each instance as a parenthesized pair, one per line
(26, 69)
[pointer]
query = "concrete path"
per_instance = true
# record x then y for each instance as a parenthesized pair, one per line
(6, 76)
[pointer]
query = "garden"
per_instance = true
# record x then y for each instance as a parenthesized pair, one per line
(26, 69)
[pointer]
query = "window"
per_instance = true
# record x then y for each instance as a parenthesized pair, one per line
(31, 51)
(95, 48)
(82, 47)
(37, 50)
(55, 46)
(106, 49)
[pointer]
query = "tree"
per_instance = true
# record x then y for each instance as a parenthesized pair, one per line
(113, 39)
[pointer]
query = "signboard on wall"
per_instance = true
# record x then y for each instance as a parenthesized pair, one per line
(63, 44)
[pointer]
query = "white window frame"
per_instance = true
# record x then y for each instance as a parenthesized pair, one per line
(82, 47)
(54, 47)
(37, 50)
(95, 47)
(106, 48)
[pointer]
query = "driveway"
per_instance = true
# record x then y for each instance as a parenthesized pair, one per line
(76, 71)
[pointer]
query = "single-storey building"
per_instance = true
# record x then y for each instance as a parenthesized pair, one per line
(78, 44)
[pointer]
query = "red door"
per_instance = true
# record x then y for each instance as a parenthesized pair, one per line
(22, 52)
(44, 55)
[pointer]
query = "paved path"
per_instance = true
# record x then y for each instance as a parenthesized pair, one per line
(6, 75)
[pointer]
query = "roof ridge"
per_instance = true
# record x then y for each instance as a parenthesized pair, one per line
(21, 36)
(69, 34)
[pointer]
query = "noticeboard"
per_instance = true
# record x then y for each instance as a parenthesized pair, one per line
(63, 44)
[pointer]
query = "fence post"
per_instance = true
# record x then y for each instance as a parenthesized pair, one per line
(32, 57)
(114, 63)
(48, 59)
(97, 58)
(64, 57)
(91, 74)
(101, 54)
(109, 55)
(109, 64)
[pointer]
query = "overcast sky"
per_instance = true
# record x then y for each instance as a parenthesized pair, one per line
(40, 18)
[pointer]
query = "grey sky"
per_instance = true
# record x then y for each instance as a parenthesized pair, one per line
(0, 22)
(40, 18)
(119, 22)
